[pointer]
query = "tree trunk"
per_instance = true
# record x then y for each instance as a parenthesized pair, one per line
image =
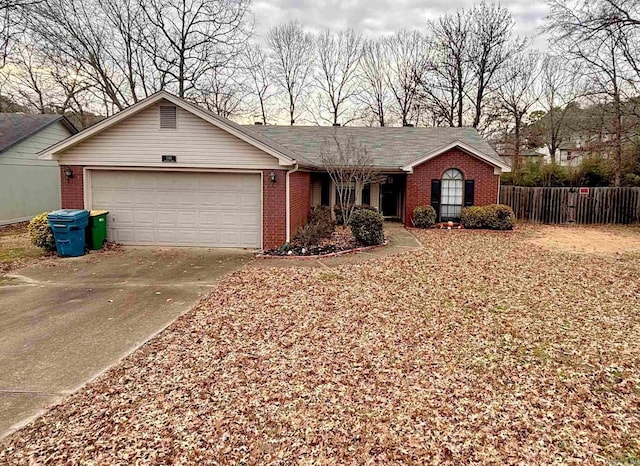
(618, 138)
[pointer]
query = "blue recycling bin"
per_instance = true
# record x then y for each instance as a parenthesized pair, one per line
(68, 227)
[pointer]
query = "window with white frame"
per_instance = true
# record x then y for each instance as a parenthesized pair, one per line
(451, 195)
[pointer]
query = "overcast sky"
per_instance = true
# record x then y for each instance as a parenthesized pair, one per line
(377, 17)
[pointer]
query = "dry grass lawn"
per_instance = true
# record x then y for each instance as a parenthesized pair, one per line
(16, 248)
(605, 239)
(483, 348)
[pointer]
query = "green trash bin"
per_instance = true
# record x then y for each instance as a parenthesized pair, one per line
(97, 234)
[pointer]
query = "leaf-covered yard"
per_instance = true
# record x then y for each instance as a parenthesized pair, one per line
(481, 348)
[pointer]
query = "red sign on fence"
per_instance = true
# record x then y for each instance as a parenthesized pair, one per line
(584, 191)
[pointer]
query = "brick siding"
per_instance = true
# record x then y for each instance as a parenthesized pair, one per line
(72, 189)
(418, 188)
(274, 213)
(300, 197)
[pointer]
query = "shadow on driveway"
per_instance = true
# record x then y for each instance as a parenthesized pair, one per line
(64, 322)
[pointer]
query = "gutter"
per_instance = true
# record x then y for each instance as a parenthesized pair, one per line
(288, 203)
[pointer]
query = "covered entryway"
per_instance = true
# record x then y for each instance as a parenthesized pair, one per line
(176, 208)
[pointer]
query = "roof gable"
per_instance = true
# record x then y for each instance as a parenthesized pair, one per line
(284, 156)
(16, 127)
(457, 145)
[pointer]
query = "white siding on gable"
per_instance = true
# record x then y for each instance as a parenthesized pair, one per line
(29, 186)
(139, 141)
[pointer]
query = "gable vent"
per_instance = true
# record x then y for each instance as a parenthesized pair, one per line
(167, 117)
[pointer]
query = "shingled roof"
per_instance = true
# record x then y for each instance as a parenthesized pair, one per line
(15, 127)
(389, 147)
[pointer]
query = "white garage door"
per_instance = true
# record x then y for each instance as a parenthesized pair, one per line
(179, 208)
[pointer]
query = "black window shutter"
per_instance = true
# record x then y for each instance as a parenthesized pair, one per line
(469, 189)
(435, 196)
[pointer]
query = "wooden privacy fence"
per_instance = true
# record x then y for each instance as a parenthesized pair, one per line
(573, 205)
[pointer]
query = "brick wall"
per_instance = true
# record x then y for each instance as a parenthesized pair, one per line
(71, 189)
(300, 197)
(274, 219)
(418, 189)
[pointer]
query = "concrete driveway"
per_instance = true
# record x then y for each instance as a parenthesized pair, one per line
(64, 321)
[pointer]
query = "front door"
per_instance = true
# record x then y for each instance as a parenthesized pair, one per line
(389, 200)
(391, 197)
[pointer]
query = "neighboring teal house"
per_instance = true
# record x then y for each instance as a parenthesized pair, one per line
(29, 185)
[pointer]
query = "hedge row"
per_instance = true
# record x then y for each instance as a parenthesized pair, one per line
(490, 217)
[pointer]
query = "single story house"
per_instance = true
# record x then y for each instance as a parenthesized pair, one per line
(28, 185)
(172, 173)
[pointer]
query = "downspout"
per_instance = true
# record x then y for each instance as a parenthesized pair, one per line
(288, 203)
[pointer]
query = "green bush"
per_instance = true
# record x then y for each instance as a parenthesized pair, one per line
(631, 179)
(473, 217)
(41, 234)
(500, 217)
(337, 210)
(593, 171)
(492, 217)
(367, 226)
(321, 216)
(424, 216)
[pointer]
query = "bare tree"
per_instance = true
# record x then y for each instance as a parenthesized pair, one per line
(601, 61)
(560, 87)
(97, 38)
(492, 47)
(33, 87)
(338, 54)
(292, 61)
(223, 92)
(350, 168)
(374, 91)
(11, 25)
(517, 94)
(188, 38)
(447, 83)
(407, 61)
(255, 62)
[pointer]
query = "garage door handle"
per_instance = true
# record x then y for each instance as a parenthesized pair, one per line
(58, 226)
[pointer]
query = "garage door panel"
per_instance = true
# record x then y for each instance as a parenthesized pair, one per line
(122, 235)
(249, 238)
(250, 220)
(144, 235)
(180, 208)
(121, 216)
(166, 218)
(188, 200)
(142, 180)
(144, 197)
(250, 202)
(208, 200)
(230, 220)
(187, 219)
(144, 217)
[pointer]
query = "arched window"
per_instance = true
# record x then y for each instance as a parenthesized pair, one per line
(451, 195)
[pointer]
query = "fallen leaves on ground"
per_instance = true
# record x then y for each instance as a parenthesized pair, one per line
(480, 348)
